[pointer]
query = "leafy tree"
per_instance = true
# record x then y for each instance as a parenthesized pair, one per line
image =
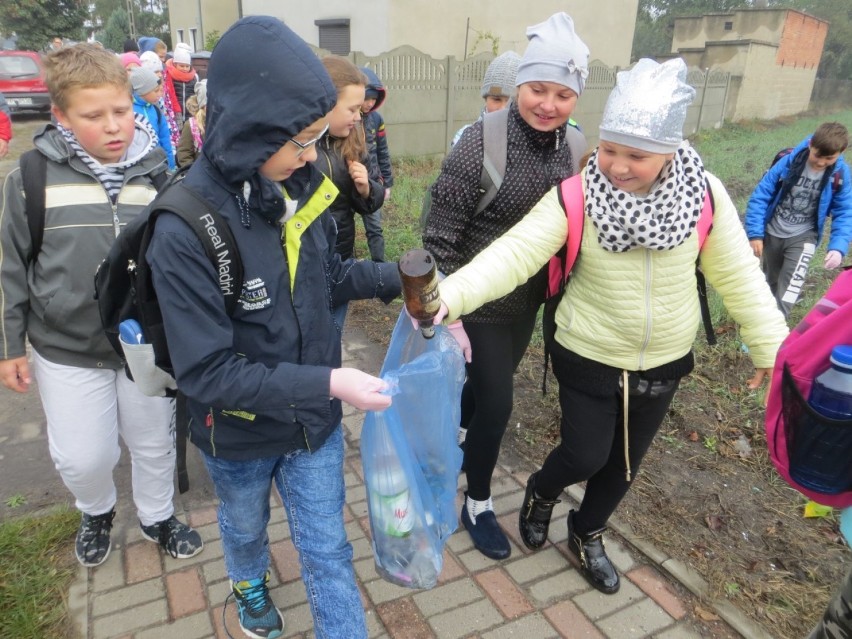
(117, 30)
(37, 21)
(211, 39)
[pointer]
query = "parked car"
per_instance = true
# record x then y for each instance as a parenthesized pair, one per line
(22, 81)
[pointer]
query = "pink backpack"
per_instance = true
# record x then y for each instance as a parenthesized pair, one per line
(802, 357)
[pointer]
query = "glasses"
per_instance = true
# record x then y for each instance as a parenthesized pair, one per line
(304, 146)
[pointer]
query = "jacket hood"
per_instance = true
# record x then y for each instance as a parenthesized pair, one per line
(375, 84)
(264, 85)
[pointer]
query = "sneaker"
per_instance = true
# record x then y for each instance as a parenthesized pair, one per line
(595, 566)
(534, 517)
(259, 618)
(93, 543)
(176, 538)
(488, 538)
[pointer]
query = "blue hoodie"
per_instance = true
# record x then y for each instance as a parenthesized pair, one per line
(160, 124)
(257, 381)
(374, 131)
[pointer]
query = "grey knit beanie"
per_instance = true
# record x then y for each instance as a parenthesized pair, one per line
(555, 54)
(647, 108)
(201, 93)
(500, 75)
(143, 80)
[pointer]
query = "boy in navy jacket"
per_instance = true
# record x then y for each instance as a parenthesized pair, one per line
(377, 147)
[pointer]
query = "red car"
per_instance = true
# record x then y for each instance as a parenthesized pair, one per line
(22, 81)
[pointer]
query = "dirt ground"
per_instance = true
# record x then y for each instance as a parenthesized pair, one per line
(707, 493)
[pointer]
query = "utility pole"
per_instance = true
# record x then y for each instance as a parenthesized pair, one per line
(131, 19)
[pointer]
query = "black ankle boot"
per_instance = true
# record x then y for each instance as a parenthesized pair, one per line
(595, 566)
(534, 518)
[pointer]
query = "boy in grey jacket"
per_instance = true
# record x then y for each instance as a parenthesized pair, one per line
(101, 163)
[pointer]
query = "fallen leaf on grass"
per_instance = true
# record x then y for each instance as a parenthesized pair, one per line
(714, 522)
(813, 509)
(706, 615)
(693, 436)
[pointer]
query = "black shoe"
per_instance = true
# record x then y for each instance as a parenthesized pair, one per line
(595, 566)
(93, 543)
(488, 538)
(534, 518)
(176, 538)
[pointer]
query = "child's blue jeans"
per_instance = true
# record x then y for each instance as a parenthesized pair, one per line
(312, 490)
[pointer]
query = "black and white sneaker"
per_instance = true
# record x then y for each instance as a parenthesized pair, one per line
(176, 538)
(93, 543)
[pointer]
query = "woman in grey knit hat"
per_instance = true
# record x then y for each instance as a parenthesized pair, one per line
(541, 151)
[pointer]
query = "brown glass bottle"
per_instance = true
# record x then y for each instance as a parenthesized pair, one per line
(419, 275)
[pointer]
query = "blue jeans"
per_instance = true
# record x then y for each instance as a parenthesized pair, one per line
(312, 490)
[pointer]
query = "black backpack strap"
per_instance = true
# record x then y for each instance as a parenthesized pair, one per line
(181, 435)
(34, 176)
(214, 234)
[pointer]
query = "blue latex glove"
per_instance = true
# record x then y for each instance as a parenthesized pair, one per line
(846, 524)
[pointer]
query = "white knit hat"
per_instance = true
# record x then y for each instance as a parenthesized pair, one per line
(555, 54)
(500, 75)
(151, 61)
(647, 108)
(182, 54)
(201, 93)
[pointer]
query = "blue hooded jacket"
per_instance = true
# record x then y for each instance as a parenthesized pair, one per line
(160, 124)
(834, 201)
(257, 381)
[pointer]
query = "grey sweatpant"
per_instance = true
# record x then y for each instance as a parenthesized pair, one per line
(785, 262)
(837, 621)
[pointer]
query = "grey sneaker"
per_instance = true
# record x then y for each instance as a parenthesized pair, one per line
(93, 543)
(176, 538)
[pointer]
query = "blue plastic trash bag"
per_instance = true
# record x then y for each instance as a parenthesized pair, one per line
(410, 456)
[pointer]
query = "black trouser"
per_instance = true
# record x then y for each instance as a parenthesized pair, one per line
(592, 444)
(486, 403)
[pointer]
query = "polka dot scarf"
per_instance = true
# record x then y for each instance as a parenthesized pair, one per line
(661, 220)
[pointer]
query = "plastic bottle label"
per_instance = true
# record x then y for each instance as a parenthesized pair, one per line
(396, 517)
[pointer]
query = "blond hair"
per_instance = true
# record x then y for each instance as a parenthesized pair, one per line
(82, 66)
(343, 74)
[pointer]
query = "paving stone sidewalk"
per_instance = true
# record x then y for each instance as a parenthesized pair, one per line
(141, 594)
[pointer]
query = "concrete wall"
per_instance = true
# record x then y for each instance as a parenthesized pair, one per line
(749, 24)
(769, 91)
(215, 15)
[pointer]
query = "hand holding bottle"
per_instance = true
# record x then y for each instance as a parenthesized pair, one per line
(358, 388)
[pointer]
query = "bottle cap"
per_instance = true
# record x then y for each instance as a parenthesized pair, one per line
(842, 356)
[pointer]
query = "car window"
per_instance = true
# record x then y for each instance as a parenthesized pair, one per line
(14, 66)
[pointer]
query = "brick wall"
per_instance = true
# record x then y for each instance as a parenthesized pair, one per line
(801, 41)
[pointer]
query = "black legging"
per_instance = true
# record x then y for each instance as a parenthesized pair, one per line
(591, 445)
(486, 403)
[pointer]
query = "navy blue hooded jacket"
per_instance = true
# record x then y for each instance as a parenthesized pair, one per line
(257, 382)
(374, 130)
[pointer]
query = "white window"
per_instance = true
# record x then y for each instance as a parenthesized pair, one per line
(180, 35)
(193, 39)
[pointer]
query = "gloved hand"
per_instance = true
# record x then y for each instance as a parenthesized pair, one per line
(387, 194)
(833, 259)
(457, 330)
(358, 388)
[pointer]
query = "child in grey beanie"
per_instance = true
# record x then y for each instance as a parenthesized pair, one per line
(555, 54)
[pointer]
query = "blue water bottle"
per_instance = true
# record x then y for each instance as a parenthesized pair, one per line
(821, 455)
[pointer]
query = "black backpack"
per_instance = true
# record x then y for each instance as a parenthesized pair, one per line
(124, 290)
(836, 180)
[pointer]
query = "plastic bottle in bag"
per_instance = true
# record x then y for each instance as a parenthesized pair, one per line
(821, 458)
(419, 274)
(400, 558)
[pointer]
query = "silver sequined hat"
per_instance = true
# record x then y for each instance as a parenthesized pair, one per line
(647, 108)
(555, 53)
(500, 75)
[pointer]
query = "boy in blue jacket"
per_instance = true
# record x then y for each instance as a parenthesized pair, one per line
(264, 384)
(147, 91)
(377, 146)
(788, 209)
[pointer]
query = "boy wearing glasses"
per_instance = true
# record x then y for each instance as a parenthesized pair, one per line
(264, 384)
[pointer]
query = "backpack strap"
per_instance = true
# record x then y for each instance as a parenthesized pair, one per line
(577, 144)
(495, 145)
(705, 225)
(33, 165)
(212, 231)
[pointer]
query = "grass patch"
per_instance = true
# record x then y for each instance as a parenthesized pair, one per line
(36, 569)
